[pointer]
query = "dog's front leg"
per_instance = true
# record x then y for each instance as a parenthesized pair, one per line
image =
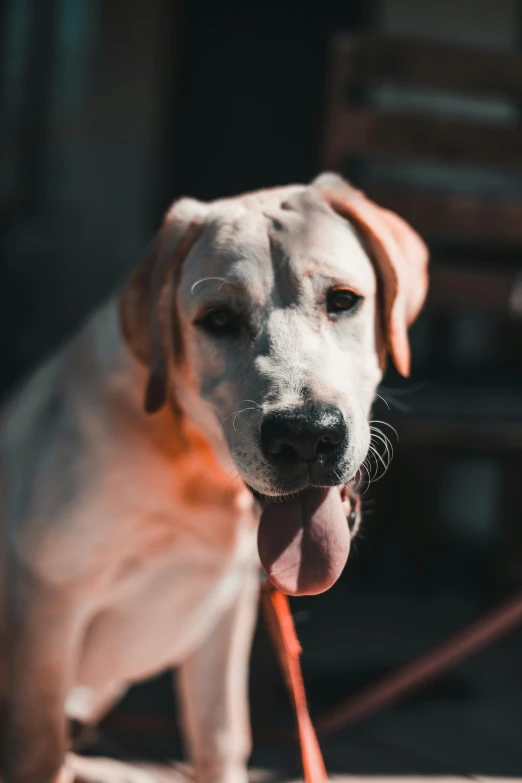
(214, 692)
(42, 626)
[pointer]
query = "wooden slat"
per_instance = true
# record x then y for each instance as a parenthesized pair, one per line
(452, 288)
(455, 218)
(427, 64)
(365, 131)
(450, 432)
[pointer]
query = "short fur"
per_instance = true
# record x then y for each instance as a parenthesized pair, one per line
(129, 536)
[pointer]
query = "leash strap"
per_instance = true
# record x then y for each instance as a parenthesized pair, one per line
(276, 609)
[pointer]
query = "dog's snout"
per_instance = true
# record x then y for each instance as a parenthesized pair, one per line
(309, 433)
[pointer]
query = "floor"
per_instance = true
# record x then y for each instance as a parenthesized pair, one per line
(165, 774)
(466, 726)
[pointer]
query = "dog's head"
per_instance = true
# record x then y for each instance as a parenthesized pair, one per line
(268, 317)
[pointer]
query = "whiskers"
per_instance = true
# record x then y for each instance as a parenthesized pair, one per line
(338, 476)
(392, 396)
(378, 458)
(233, 416)
(234, 473)
(384, 401)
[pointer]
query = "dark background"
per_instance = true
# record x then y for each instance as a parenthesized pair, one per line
(109, 110)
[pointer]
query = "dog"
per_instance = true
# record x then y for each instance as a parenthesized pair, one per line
(143, 464)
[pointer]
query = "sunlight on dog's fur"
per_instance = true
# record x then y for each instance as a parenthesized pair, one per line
(242, 358)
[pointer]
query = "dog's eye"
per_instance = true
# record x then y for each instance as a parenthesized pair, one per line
(221, 321)
(342, 300)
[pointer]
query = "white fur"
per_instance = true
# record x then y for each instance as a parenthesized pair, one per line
(113, 571)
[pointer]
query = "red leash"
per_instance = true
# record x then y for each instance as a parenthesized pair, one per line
(280, 624)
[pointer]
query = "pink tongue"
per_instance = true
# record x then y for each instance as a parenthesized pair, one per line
(304, 542)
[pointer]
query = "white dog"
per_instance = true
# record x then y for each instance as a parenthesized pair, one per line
(256, 332)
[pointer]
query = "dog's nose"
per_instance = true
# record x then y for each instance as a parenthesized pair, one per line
(309, 433)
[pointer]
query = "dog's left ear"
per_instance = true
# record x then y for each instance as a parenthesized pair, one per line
(146, 318)
(398, 253)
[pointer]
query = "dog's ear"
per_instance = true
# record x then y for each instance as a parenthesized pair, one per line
(398, 253)
(146, 318)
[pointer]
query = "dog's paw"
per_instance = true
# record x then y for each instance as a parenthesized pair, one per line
(78, 769)
(224, 774)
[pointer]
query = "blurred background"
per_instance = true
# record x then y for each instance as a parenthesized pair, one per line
(111, 109)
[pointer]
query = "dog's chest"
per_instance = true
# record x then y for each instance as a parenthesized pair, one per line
(177, 560)
(195, 541)
(184, 521)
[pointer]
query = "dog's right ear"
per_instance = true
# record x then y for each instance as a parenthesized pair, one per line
(146, 319)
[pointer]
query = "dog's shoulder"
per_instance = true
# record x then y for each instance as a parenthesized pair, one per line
(64, 381)
(47, 426)
(28, 426)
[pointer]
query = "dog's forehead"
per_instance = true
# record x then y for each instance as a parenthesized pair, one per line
(251, 235)
(234, 242)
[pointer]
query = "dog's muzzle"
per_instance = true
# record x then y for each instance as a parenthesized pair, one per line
(309, 439)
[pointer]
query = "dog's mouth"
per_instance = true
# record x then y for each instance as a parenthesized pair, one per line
(304, 538)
